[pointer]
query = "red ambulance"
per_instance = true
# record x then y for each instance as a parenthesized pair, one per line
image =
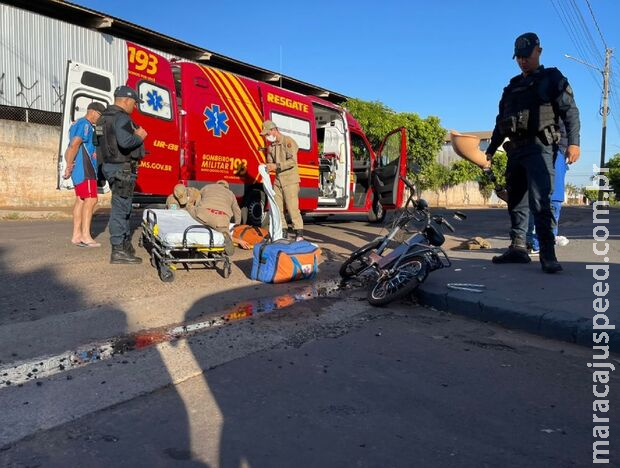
(204, 124)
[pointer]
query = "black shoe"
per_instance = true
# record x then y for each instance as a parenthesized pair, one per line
(285, 233)
(121, 257)
(548, 260)
(514, 254)
(299, 235)
(127, 247)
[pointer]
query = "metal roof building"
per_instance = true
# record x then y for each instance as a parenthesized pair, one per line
(37, 38)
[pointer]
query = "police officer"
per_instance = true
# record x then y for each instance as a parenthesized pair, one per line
(529, 112)
(121, 147)
(282, 159)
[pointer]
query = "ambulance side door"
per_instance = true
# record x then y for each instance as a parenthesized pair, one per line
(390, 163)
(84, 84)
(150, 74)
(294, 117)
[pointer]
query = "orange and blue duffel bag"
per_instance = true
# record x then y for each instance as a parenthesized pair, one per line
(250, 234)
(283, 261)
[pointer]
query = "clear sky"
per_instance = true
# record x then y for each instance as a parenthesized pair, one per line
(449, 58)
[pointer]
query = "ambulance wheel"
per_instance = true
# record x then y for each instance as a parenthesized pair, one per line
(254, 209)
(166, 274)
(377, 213)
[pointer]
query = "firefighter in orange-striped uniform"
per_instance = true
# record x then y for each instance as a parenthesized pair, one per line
(282, 159)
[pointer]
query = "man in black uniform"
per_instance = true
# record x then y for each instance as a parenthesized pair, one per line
(120, 147)
(529, 112)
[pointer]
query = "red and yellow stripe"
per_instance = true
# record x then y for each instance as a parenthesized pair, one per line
(243, 109)
(246, 114)
(308, 171)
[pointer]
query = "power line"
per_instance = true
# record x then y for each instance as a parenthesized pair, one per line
(570, 29)
(584, 27)
(574, 32)
(596, 24)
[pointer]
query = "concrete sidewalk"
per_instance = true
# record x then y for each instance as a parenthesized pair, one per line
(557, 306)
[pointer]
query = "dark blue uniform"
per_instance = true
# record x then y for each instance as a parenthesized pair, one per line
(529, 114)
(121, 150)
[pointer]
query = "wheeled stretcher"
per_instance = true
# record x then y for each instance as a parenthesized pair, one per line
(173, 237)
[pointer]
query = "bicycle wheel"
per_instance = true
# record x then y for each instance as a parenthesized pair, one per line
(355, 264)
(405, 279)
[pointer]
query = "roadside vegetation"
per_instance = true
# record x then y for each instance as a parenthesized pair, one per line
(425, 139)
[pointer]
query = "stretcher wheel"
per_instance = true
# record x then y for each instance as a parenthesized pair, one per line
(141, 241)
(166, 274)
(227, 268)
(153, 260)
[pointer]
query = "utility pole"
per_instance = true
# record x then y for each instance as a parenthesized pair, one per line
(605, 112)
(604, 109)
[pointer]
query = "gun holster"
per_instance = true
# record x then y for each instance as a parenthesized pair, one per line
(123, 183)
(549, 135)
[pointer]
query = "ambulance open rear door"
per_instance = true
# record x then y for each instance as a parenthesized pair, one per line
(84, 84)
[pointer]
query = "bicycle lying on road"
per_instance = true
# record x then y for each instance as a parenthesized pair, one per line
(399, 271)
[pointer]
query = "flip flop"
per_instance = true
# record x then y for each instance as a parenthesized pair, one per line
(91, 244)
(79, 244)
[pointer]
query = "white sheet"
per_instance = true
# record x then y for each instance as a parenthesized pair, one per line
(172, 223)
(275, 223)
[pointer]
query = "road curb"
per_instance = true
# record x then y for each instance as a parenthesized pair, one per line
(532, 319)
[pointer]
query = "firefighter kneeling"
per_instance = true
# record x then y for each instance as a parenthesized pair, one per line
(216, 206)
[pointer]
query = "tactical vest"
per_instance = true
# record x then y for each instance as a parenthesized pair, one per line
(108, 150)
(527, 110)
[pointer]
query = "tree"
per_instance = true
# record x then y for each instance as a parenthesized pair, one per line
(424, 136)
(614, 173)
(464, 171)
(375, 118)
(498, 166)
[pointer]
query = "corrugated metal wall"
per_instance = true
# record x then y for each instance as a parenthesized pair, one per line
(34, 51)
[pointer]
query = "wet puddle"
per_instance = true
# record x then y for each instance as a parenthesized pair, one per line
(18, 373)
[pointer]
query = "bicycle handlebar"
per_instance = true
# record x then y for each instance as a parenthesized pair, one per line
(408, 184)
(447, 224)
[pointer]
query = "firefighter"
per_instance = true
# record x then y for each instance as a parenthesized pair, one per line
(216, 207)
(282, 159)
(121, 146)
(529, 113)
(182, 197)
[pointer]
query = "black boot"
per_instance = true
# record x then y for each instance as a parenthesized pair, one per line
(120, 256)
(299, 235)
(548, 260)
(129, 248)
(516, 253)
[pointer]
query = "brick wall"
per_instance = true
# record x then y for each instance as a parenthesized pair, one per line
(28, 162)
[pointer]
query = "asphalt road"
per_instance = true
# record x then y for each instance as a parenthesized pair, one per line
(302, 374)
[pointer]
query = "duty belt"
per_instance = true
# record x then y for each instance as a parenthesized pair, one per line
(518, 142)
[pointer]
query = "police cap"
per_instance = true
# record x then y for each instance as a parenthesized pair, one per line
(525, 44)
(127, 91)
